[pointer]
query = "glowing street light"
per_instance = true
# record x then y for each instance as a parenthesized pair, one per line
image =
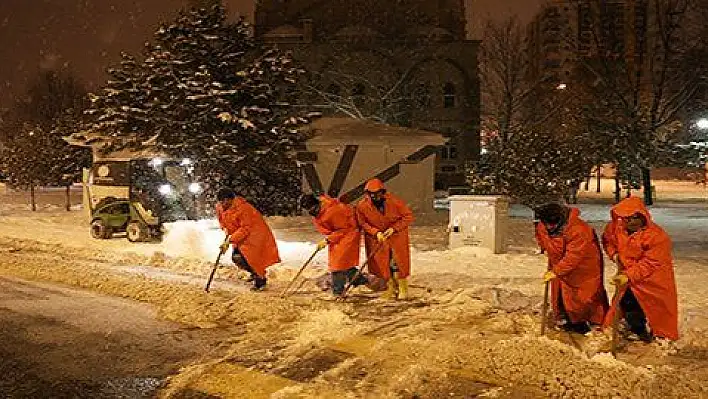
(165, 189)
(702, 124)
(195, 188)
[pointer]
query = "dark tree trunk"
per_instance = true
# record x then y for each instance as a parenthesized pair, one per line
(646, 183)
(618, 188)
(599, 178)
(68, 197)
(33, 200)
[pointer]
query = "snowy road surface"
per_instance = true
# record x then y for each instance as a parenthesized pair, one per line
(470, 329)
(60, 342)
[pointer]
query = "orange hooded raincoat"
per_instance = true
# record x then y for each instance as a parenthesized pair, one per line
(396, 215)
(576, 258)
(646, 260)
(337, 222)
(250, 234)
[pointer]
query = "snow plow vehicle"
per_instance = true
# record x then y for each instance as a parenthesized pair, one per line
(137, 195)
(113, 216)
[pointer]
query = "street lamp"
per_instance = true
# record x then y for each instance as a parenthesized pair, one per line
(702, 124)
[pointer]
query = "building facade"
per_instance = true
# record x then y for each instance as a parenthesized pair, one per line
(564, 31)
(406, 63)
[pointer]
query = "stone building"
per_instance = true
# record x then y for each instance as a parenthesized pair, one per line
(404, 62)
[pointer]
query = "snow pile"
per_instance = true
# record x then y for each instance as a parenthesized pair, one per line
(323, 326)
(557, 369)
(462, 305)
(473, 320)
(192, 239)
(200, 240)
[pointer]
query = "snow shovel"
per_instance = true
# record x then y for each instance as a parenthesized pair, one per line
(359, 272)
(615, 322)
(615, 317)
(216, 265)
(285, 291)
(544, 308)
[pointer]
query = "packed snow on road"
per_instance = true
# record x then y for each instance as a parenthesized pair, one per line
(471, 326)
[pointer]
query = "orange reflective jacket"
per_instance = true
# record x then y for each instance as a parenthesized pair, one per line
(337, 222)
(396, 215)
(576, 258)
(250, 234)
(645, 258)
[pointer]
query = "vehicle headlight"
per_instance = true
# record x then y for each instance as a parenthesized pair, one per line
(195, 188)
(165, 189)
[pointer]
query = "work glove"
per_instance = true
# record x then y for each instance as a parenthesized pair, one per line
(548, 276)
(620, 280)
(389, 232)
(322, 244)
(381, 236)
(225, 245)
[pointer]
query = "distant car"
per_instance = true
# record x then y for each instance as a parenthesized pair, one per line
(117, 216)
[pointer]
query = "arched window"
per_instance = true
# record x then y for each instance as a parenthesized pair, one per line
(449, 95)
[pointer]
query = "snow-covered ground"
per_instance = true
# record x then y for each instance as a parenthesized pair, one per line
(472, 327)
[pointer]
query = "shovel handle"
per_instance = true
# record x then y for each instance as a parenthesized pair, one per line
(285, 291)
(360, 270)
(216, 265)
(616, 316)
(544, 308)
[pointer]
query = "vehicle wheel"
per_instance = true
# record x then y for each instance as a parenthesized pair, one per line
(99, 230)
(136, 232)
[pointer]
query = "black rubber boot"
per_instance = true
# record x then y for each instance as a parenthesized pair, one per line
(259, 283)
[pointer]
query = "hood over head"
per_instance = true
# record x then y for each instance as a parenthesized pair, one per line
(630, 206)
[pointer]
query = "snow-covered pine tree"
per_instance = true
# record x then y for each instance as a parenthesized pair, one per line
(67, 161)
(119, 112)
(35, 153)
(206, 91)
(533, 168)
(26, 160)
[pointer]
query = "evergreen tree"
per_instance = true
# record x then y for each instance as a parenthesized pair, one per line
(35, 153)
(26, 161)
(206, 91)
(533, 168)
(120, 112)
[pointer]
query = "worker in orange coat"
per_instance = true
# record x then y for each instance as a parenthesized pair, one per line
(642, 251)
(254, 246)
(385, 218)
(575, 267)
(336, 221)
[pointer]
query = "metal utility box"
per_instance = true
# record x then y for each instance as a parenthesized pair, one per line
(479, 221)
